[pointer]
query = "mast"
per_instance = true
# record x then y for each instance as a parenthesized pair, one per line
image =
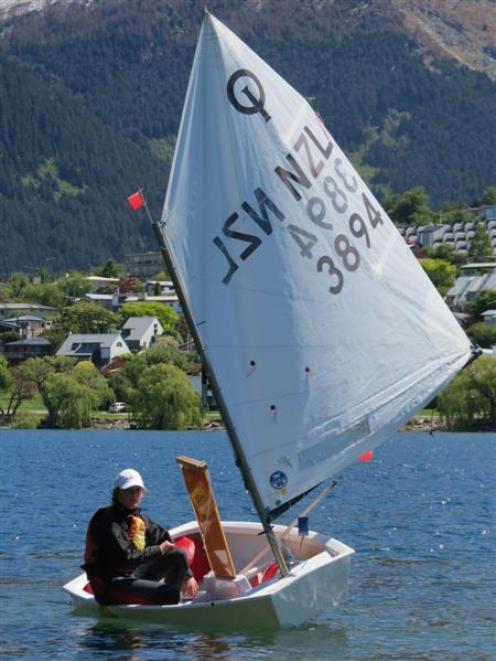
(230, 428)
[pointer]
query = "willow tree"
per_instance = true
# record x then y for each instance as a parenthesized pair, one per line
(469, 402)
(164, 399)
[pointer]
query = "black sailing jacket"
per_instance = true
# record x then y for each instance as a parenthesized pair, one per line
(109, 549)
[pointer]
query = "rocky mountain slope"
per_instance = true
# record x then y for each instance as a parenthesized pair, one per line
(464, 30)
(91, 93)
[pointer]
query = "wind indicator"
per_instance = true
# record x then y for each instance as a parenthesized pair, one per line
(136, 201)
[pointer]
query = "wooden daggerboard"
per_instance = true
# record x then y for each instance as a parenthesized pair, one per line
(202, 497)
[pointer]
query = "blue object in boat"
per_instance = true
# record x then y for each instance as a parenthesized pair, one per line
(303, 525)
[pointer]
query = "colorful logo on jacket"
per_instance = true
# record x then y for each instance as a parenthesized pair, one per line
(278, 480)
(137, 532)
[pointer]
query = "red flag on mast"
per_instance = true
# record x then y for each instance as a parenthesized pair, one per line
(136, 201)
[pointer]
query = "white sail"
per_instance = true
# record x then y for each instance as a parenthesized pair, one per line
(324, 333)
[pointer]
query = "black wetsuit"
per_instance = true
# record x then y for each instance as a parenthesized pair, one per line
(122, 570)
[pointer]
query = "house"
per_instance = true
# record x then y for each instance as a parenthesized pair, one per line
(99, 284)
(458, 235)
(475, 279)
(33, 347)
(489, 317)
(26, 325)
(165, 299)
(105, 300)
(144, 264)
(8, 310)
(159, 287)
(141, 332)
(101, 348)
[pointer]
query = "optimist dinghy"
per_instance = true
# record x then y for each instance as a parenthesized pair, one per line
(320, 332)
(258, 599)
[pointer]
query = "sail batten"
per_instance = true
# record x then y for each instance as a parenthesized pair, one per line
(323, 332)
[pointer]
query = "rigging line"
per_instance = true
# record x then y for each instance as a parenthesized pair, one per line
(285, 533)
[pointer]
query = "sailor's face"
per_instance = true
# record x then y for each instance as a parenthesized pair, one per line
(130, 498)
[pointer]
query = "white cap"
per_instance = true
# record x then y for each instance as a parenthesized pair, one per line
(128, 478)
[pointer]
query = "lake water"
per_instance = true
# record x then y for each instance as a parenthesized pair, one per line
(420, 516)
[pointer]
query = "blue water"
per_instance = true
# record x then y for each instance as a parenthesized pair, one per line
(420, 516)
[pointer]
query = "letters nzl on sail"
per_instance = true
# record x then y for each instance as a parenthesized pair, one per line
(337, 201)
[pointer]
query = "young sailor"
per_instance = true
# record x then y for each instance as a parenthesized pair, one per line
(129, 559)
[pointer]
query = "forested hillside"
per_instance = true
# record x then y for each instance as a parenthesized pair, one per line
(90, 114)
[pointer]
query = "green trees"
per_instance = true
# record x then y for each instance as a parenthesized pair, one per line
(410, 208)
(480, 245)
(446, 252)
(5, 383)
(489, 196)
(486, 300)
(441, 272)
(157, 390)
(73, 397)
(71, 403)
(17, 284)
(14, 388)
(111, 269)
(74, 285)
(87, 318)
(482, 334)
(164, 399)
(469, 402)
(70, 393)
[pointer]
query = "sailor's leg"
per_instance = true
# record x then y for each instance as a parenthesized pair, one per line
(171, 566)
(129, 590)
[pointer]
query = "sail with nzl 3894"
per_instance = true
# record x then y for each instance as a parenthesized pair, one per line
(324, 333)
(320, 331)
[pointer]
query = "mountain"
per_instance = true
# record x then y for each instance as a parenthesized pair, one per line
(91, 93)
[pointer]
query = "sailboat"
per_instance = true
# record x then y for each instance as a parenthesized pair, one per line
(320, 332)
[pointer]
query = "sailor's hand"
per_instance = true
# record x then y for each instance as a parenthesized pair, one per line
(190, 587)
(166, 546)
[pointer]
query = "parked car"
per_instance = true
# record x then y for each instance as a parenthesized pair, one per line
(118, 407)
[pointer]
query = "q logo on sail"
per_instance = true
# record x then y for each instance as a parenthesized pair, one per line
(256, 102)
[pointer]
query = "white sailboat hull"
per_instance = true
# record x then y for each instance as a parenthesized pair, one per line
(317, 581)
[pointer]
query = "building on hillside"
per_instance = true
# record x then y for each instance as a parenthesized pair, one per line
(489, 317)
(99, 284)
(478, 268)
(144, 264)
(159, 288)
(475, 279)
(100, 348)
(487, 213)
(114, 365)
(26, 325)
(141, 333)
(457, 235)
(8, 310)
(165, 299)
(32, 347)
(108, 301)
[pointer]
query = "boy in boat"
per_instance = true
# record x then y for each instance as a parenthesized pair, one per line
(130, 559)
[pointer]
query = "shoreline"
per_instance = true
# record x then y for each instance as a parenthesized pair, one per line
(420, 423)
